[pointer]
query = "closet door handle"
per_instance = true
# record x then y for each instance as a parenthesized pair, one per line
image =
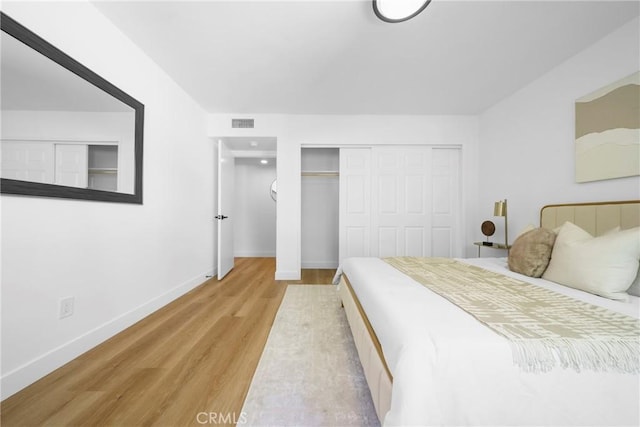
(221, 217)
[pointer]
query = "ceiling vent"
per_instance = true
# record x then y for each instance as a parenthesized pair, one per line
(242, 123)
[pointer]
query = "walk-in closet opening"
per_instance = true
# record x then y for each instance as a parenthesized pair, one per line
(320, 203)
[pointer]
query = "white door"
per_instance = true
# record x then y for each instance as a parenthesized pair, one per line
(400, 199)
(72, 165)
(27, 161)
(226, 175)
(446, 203)
(355, 203)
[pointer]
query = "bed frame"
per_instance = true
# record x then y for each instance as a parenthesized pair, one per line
(595, 217)
(369, 349)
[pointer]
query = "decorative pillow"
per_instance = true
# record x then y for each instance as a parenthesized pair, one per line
(528, 227)
(605, 265)
(531, 251)
(635, 286)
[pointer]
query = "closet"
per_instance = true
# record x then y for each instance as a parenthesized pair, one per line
(73, 164)
(399, 201)
(319, 209)
(103, 167)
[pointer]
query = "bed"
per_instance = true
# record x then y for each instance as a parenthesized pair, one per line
(428, 361)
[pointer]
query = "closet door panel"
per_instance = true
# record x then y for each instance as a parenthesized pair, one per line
(387, 195)
(28, 161)
(446, 203)
(355, 203)
(415, 194)
(72, 165)
(357, 242)
(389, 241)
(401, 180)
(414, 241)
(442, 242)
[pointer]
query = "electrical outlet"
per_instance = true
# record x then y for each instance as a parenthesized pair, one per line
(66, 307)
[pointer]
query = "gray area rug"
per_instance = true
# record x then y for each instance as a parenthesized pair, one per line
(309, 373)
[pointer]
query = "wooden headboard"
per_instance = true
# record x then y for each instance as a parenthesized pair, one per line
(596, 217)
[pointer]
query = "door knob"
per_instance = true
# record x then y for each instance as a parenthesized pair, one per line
(221, 217)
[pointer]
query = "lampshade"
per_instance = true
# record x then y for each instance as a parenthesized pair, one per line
(500, 208)
(398, 10)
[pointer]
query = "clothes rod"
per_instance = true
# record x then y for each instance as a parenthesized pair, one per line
(103, 171)
(323, 174)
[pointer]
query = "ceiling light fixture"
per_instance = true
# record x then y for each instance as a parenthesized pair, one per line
(264, 161)
(398, 10)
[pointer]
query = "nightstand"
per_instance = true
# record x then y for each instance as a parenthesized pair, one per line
(494, 246)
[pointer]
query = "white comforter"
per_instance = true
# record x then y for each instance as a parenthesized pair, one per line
(448, 369)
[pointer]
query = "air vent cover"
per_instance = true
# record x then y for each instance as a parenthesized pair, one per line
(242, 123)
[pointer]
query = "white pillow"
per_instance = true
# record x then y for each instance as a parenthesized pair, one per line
(605, 265)
(635, 286)
(634, 289)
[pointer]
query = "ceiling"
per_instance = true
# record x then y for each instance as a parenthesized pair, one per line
(336, 57)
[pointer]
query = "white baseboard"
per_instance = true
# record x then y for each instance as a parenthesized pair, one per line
(319, 264)
(287, 275)
(28, 373)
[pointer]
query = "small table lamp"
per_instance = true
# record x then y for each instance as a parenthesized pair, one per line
(500, 209)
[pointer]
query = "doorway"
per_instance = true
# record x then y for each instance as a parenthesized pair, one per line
(255, 210)
(319, 207)
(246, 212)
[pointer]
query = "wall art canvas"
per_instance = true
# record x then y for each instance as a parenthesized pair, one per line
(608, 131)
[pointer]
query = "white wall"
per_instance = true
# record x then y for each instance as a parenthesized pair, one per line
(527, 140)
(119, 261)
(295, 131)
(254, 211)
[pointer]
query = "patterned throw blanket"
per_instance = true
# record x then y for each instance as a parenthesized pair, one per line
(545, 328)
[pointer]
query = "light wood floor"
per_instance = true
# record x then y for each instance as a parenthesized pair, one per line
(195, 355)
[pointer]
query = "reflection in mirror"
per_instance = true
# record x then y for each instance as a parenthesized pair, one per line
(66, 132)
(274, 190)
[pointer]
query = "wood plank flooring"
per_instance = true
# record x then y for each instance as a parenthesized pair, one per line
(189, 363)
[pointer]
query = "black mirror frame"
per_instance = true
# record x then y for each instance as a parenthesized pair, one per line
(12, 186)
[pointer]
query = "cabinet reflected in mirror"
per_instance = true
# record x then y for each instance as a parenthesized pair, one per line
(66, 132)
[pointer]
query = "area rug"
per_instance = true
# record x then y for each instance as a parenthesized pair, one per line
(309, 373)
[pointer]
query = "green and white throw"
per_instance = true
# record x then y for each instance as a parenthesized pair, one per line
(545, 328)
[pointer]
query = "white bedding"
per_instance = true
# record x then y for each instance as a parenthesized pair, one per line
(449, 369)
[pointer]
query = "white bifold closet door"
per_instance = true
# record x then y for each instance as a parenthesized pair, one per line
(72, 165)
(27, 161)
(399, 201)
(354, 236)
(446, 203)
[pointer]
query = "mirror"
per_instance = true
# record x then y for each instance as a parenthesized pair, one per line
(66, 132)
(274, 190)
